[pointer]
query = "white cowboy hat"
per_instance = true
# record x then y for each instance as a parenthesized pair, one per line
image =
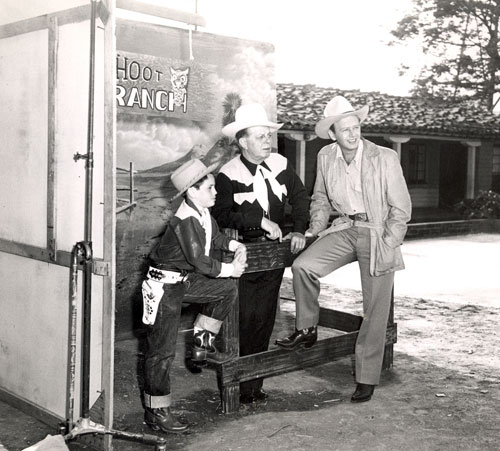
(186, 175)
(250, 115)
(336, 109)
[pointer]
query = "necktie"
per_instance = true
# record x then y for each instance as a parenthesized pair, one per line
(260, 189)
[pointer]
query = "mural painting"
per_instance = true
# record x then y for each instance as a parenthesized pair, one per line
(175, 92)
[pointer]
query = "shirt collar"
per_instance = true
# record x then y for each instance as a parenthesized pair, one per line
(195, 207)
(357, 157)
(252, 167)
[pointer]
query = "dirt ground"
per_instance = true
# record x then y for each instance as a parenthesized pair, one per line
(443, 392)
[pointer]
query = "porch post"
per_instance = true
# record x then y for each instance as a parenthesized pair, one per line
(471, 167)
(396, 143)
(300, 152)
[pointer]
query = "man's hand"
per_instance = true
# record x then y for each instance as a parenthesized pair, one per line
(273, 230)
(298, 241)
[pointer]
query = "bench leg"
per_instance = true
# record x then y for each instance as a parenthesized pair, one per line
(389, 349)
(388, 357)
(230, 397)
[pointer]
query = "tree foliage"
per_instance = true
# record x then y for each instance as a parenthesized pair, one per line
(461, 40)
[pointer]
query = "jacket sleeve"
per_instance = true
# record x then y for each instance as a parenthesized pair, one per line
(299, 200)
(399, 201)
(320, 204)
(191, 236)
(219, 239)
(224, 213)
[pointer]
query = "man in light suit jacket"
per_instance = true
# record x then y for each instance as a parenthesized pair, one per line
(364, 183)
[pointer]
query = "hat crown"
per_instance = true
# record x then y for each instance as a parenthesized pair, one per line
(337, 106)
(187, 174)
(251, 113)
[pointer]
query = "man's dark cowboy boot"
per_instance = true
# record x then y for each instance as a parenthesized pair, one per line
(163, 420)
(363, 393)
(199, 351)
(306, 337)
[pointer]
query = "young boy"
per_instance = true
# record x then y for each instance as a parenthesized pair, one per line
(183, 270)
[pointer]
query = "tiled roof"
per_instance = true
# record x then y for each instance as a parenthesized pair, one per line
(301, 106)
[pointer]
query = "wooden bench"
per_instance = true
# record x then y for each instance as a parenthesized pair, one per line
(273, 255)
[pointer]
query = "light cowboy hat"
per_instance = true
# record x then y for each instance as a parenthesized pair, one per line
(186, 175)
(250, 115)
(336, 109)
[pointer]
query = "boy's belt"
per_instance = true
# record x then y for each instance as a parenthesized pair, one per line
(163, 276)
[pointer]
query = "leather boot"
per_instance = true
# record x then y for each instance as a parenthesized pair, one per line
(306, 337)
(213, 354)
(199, 352)
(363, 393)
(163, 420)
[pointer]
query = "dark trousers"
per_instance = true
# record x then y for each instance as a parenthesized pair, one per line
(217, 295)
(258, 293)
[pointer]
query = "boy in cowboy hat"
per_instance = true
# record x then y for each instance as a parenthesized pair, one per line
(183, 269)
(364, 183)
(253, 189)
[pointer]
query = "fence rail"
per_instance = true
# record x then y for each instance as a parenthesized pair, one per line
(130, 202)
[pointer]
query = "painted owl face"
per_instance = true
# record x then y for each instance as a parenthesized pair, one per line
(179, 78)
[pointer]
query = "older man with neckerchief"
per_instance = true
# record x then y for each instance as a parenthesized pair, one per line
(253, 189)
(364, 183)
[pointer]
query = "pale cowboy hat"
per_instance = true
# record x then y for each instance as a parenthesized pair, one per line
(186, 175)
(250, 115)
(336, 109)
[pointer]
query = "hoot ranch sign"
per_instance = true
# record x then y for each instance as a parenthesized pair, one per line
(163, 87)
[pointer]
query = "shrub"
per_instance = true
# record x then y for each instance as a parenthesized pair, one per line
(485, 205)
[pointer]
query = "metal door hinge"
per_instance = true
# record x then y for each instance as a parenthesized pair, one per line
(101, 268)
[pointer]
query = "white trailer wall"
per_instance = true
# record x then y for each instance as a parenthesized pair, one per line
(44, 89)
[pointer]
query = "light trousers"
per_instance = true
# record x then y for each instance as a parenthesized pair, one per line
(326, 255)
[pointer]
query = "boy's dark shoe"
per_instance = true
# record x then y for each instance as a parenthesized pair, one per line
(199, 351)
(163, 420)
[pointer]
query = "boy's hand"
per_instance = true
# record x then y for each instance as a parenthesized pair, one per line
(239, 268)
(241, 254)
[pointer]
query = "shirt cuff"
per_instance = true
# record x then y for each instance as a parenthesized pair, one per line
(226, 270)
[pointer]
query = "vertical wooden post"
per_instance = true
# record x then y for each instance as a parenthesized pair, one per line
(51, 137)
(230, 393)
(396, 143)
(131, 182)
(389, 349)
(471, 167)
(109, 282)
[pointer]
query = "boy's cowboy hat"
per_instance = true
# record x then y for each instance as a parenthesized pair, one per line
(186, 175)
(250, 115)
(336, 109)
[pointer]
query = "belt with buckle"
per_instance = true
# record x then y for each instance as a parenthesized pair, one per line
(163, 276)
(363, 217)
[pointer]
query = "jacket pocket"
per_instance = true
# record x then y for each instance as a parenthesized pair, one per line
(387, 258)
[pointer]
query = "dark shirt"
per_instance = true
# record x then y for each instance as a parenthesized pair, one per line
(236, 206)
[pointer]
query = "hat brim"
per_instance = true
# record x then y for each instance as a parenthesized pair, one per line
(231, 129)
(325, 124)
(194, 179)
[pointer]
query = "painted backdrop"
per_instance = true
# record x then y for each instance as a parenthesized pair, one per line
(174, 94)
